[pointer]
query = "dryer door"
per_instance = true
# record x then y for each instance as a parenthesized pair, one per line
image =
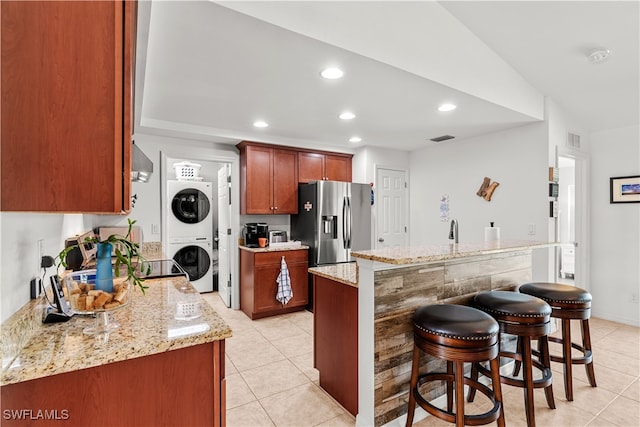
(194, 260)
(190, 206)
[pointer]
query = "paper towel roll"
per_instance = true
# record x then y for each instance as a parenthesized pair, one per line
(491, 234)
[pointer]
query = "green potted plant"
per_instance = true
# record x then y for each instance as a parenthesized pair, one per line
(127, 255)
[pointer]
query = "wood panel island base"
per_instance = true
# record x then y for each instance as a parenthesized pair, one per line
(154, 370)
(392, 283)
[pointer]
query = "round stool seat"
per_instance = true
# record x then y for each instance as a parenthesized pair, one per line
(557, 293)
(454, 322)
(504, 303)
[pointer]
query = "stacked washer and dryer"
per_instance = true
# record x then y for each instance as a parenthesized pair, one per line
(190, 229)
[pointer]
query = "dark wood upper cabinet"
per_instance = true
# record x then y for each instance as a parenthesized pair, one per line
(317, 166)
(268, 179)
(67, 80)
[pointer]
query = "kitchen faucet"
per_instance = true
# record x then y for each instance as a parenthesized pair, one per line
(453, 231)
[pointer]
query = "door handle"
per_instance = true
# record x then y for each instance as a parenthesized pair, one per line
(381, 240)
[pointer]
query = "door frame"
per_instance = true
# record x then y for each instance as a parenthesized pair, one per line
(582, 217)
(376, 211)
(234, 221)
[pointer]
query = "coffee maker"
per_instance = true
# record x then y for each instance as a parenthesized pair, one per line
(253, 231)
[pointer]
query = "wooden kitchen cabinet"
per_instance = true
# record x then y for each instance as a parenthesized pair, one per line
(317, 166)
(66, 83)
(182, 387)
(335, 339)
(268, 179)
(258, 287)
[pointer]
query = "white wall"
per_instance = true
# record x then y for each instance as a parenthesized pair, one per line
(366, 159)
(615, 230)
(19, 236)
(515, 158)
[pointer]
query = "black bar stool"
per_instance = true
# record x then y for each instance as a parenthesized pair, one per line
(567, 303)
(456, 334)
(527, 318)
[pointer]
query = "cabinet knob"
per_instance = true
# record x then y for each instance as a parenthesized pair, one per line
(275, 208)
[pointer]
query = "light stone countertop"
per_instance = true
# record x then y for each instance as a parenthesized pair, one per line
(346, 273)
(31, 349)
(275, 248)
(422, 254)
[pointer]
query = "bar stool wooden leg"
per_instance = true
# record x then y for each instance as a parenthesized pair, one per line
(527, 375)
(566, 354)
(450, 386)
(459, 379)
(474, 376)
(415, 366)
(545, 359)
(517, 363)
(586, 344)
(497, 388)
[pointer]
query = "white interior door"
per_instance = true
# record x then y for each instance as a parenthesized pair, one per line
(224, 234)
(391, 211)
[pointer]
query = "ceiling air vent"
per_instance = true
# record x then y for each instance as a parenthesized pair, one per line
(573, 140)
(442, 138)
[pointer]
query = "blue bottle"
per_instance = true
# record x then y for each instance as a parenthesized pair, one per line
(104, 271)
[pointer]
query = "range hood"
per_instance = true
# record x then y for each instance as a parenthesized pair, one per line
(141, 165)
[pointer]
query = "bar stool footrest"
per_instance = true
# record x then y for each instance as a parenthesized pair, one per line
(471, 420)
(584, 360)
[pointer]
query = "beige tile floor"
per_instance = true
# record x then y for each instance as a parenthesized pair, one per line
(271, 380)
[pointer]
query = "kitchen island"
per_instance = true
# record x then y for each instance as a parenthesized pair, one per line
(153, 370)
(335, 331)
(393, 282)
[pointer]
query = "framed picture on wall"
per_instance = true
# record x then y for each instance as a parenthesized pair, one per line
(625, 189)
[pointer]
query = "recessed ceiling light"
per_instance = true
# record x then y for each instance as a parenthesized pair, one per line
(598, 55)
(355, 139)
(347, 115)
(260, 124)
(332, 73)
(447, 107)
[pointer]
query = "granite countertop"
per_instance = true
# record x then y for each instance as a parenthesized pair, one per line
(31, 349)
(278, 248)
(346, 273)
(421, 254)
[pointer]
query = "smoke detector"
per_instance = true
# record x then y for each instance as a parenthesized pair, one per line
(598, 55)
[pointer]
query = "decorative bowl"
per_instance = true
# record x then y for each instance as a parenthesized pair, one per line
(79, 290)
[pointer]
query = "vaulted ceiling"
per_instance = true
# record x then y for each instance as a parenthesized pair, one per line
(208, 70)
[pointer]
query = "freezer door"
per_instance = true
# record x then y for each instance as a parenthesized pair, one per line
(332, 232)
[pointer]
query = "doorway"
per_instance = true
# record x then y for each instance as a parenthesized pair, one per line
(391, 208)
(565, 265)
(572, 256)
(221, 261)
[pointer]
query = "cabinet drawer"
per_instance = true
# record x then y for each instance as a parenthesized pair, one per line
(269, 258)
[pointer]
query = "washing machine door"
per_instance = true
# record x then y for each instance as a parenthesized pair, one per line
(194, 260)
(190, 206)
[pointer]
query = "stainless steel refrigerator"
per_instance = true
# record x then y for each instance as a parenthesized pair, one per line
(334, 218)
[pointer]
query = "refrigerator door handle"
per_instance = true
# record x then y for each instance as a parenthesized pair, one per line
(344, 222)
(349, 222)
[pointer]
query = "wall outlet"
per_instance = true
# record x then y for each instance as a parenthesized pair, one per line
(634, 298)
(531, 229)
(155, 229)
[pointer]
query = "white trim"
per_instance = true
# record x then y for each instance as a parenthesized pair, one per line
(583, 215)
(235, 210)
